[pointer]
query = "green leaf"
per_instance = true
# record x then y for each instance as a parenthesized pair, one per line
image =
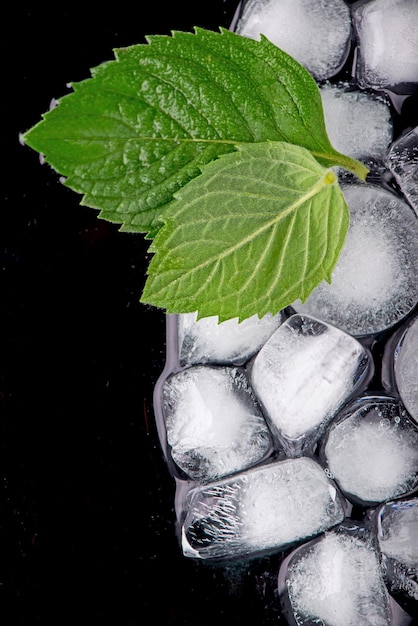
(142, 127)
(258, 229)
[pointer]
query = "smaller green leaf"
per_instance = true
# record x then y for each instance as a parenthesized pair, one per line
(258, 229)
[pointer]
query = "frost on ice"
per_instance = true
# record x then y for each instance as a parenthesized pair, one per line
(374, 284)
(214, 425)
(265, 508)
(302, 376)
(317, 34)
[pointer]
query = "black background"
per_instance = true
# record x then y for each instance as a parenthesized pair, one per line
(87, 524)
(87, 533)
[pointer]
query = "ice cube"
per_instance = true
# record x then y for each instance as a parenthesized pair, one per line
(317, 34)
(358, 123)
(302, 376)
(387, 35)
(338, 581)
(397, 532)
(372, 451)
(374, 284)
(265, 508)
(230, 342)
(406, 368)
(214, 424)
(403, 163)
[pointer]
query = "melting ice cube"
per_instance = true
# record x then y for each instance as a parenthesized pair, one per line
(403, 162)
(372, 451)
(264, 508)
(406, 368)
(374, 284)
(397, 532)
(302, 376)
(208, 341)
(214, 425)
(338, 581)
(387, 35)
(358, 124)
(317, 34)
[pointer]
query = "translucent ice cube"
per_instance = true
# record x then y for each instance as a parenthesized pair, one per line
(387, 35)
(207, 341)
(406, 369)
(302, 376)
(403, 162)
(337, 581)
(317, 34)
(397, 532)
(358, 124)
(372, 452)
(214, 425)
(264, 508)
(375, 282)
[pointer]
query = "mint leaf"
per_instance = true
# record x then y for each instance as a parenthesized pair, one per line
(145, 123)
(258, 229)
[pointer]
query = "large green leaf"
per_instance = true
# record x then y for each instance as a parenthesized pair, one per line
(258, 229)
(144, 124)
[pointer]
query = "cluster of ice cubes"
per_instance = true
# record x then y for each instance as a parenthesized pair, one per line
(297, 434)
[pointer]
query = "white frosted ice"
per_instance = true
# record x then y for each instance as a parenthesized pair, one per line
(214, 426)
(267, 507)
(403, 163)
(339, 582)
(387, 33)
(208, 341)
(358, 124)
(373, 453)
(316, 34)
(406, 369)
(398, 531)
(302, 375)
(375, 282)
